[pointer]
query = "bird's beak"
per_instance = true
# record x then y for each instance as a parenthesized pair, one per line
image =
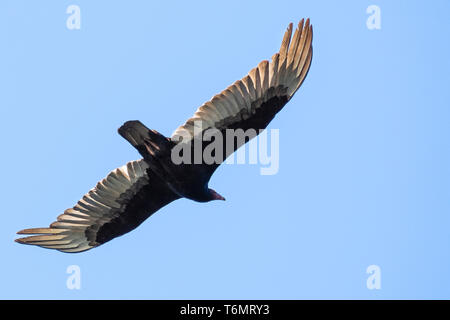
(216, 196)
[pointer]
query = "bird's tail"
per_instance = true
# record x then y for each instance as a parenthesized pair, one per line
(150, 143)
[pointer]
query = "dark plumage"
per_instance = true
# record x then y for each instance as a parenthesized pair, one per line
(130, 194)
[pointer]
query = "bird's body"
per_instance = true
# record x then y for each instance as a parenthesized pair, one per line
(130, 194)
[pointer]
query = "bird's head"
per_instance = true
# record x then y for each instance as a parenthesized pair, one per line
(213, 195)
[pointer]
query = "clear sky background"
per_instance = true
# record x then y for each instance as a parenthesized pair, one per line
(364, 176)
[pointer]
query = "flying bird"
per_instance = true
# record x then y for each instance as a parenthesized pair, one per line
(130, 194)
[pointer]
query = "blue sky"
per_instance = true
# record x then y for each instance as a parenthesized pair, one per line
(364, 176)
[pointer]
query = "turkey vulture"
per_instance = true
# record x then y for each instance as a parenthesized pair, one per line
(130, 194)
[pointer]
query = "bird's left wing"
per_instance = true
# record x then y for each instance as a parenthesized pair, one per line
(252, 102)
(118, 204)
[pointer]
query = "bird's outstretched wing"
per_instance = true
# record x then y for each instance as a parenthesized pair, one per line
(251, 103)
(118, 204)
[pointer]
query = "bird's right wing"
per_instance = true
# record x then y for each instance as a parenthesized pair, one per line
(253, 101)
(118, 204)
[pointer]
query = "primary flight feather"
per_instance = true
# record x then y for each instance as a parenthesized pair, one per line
(130, 194)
